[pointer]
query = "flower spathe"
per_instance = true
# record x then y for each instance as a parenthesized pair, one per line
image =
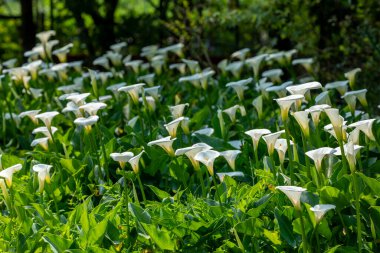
(31, 114)
(7, 174)
(133, 91)
(281, 146)
(166, 143)
(302, 118)
(207, 157)
(87, 122)
(122, 158)
(256, 135)
(293, 193)
(286, 102)
(315, 112)
(351, 76)
(301, 89)
(340, 86)
(350, 151)
(78, 99)
(190, 152)
(222, 175)
(317, 155)
(134, 162)
(230, 156)
(43, 171)
(45, 131)
(337, 122)
(92, 108)
(172, 126)
(320, 211)
(47, 117)
(240, 87)
(43, 142)
(177, 110)
(258, 104)
(270, 140)
(366, 127)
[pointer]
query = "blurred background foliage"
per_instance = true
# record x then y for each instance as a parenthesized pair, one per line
(339, 34)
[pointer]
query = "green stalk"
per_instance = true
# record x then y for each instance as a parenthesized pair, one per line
(304, 238)
(304, 144)
(344, 159)
(103, 151)
(290, 153)
(217, 193)
(357, 207)
(141, 188)
(200, 175)
(256, 158)
(126, 202)
(316, 235)
(95, 150)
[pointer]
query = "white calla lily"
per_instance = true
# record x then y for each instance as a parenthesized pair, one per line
(293, 193)
(230, 156)
(43, 175)
(317, 155)
(207, 157)
(270, 140)
(165, 143)
(320, 211)
(7, 173)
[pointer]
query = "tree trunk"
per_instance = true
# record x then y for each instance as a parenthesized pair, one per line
(28, 29)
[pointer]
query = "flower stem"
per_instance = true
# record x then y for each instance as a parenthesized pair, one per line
(304, 144)
(290, 153)
(217, 193)
(200, 175)
(304, 238)
(141, 188)
(344, 159)
(126, 202)
(357, 207)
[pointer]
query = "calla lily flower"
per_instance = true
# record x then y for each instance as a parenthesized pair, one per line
(45, 36)
(286, 102)
(5, 193)
(317, 156)
(222, 65)
(47, 118)
(274, 75)
(280, 90)
(43, 171)
(262, 87)
(7, 174)
(62, 52)
(45, 131)
(43, 142)
(134, 162)
(172, 126)
(231, 112)
(115, 58)
(190, 152)
(315, 112)
(192, 65)
(255, 62)
(150, 103)
(153, 91)
(350, 96)
(93, 107)
(256, 135)
(293, 193)
(32, 68)
(222, 175)
(117, 47)
(350, 151)
(208, 131)
(87, 122)
(114, 88)
(270, 140)
(240, 87)
(72, 107)
(258, 104)
(235, 68)
(240, 54)
(305, 62)
(366, 127)
(354, 136)
(330, 129)
(133, 91)
(230, 156)
(122, 158)
(13, 116)
(323, 98)
(207, 157)
(351, 75)
(135, 65)
(102, 61)
(302, 118)
(31, 114)
(337, 122)
(177, 110)
(165, 143)
(78, 99)
(148, 79)
(181, 67)
(281, 147)
(321, 210)
(303, 89)
(340, 86)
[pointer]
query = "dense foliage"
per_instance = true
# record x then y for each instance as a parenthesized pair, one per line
(157, 152)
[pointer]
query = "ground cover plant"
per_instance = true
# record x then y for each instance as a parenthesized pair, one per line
(158, 153)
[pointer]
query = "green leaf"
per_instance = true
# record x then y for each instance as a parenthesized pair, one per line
(159, 193)
(160, 237)
(286, 229)
(372, 183)
(140, 214)
(96, 234)
(375, 217)
(251, 226)
(57, 243)
(273, 236)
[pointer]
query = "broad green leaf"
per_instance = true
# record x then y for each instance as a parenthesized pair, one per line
(159, 193)
(251, 226)
(96, 234)
(286, 228)
(160, 237)
(374, 213)
(140, 214)
(57, 243)
(273, 236)
(372, 183)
